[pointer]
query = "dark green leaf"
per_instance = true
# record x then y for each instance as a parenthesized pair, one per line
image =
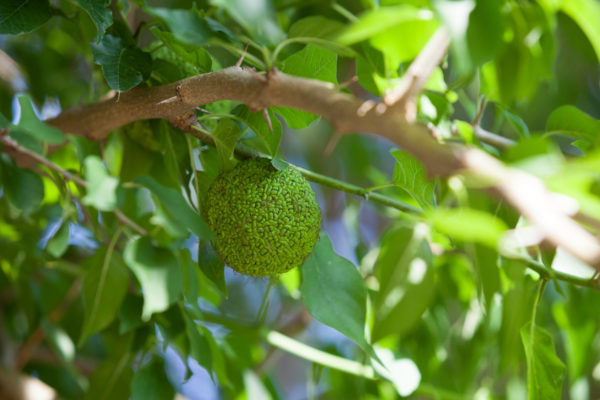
(158, 272)
(573, 122)
(130, 313)
(99, 13)
(23, 188)
(485, 30)
(178, 208)
(193, 55)
(411, 176)
(111, 379)
(124, 67)
(104, 286)
(334, 292)
(258, 17)
(21, 16)
(545, 371)
(212, 266)
(102, 188)
(189, 26)
(405, 277)
(586, 13)
(150, 382)
(31, 124)
(264, 139)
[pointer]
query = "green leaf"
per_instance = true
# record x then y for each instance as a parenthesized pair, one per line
(406, 282)
(193, 55)
(258, 17)
(226, 136)
(380, 20)
(334, 292)
(30, 124)
(545, 371)
(263, 139)
(321, 32)
(102, 188)
(21, 16)
(111, 379)
(485, 30)
(586, 13)
(468, 225)
(23, 188)
(312, 62)
(150, 382)
(130, 313)
(105, 285)
(124, 67)
(100, 15)
(571, 121)
(158, 272)
(179, 209)
(411, 176)
(188, 26)
(212, 266)
(58, 244)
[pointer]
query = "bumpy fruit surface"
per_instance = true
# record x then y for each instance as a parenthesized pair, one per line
(265, 221)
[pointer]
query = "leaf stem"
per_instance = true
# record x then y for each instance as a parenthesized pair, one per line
(309, 353)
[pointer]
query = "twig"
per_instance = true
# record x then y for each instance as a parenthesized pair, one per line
(25, 352)
(8, 142)
(420, 70)
(492, 138)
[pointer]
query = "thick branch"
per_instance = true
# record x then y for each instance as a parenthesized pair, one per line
(347, 114)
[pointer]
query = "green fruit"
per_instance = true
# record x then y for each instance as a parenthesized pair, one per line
(265, 221)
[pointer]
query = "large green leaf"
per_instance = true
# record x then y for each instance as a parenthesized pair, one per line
(177, 207)
(586, 13)
(99, 13)
(571, 121)
(58, 243)
(124, 66)
(321, 32)
(189, 54)
(334, 292)
(104, 287)
(212, 266)
(102, 188)
(411, 176)
(158, 272)
(150, 382)
(20, 16)
(189, 26)
(311, 62)
(545, 371)
(403, 269)
(258, 17)
(111, 379)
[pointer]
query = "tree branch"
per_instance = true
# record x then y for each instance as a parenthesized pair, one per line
(525, 192)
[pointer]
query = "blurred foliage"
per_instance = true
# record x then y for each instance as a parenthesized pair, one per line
(440, 306)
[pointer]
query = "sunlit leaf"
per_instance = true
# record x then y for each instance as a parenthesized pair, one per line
(31, 124)
(158, 272)
(403, 269)
(102, 188)
(334, 291)
(468, 225)
(545, 371)
(571, 121)
(411, 176)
